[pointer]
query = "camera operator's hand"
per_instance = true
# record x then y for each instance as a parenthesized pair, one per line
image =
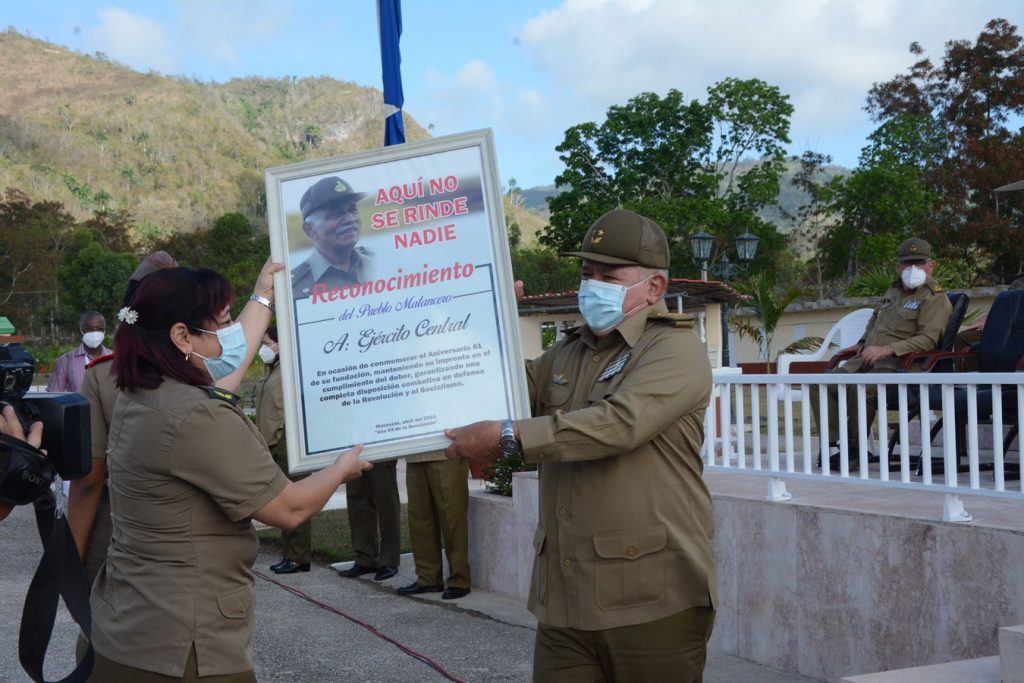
(10, 425)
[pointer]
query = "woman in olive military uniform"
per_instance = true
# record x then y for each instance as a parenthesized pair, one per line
(188, 473)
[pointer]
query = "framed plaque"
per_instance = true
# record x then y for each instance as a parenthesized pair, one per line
(396, 314)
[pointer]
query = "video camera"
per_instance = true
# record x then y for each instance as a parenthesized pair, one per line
(24, 474)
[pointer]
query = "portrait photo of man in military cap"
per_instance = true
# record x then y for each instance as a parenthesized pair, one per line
(330, 219)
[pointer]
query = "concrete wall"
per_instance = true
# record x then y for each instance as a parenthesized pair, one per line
(842, 580)
(501, 537)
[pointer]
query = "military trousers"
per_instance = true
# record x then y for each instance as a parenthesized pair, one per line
(438, 503)
(852, 410)
(99, 540)
(669, 649)
(375, 516)
(297, 544)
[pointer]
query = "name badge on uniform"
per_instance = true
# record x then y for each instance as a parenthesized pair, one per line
(912, 305)
(615, 368)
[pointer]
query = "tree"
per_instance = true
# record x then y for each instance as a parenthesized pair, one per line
(811, 219)
(677, 162)
(34, 234)
(768, 303)
(885, 198)
(233, 247)
(93, 277)
(514, 194)
(970, 98)
(113, 229)
(543, 271)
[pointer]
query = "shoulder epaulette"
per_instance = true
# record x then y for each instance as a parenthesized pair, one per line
(680, 320)
(935, 287)
(101, 359)
(222, 394)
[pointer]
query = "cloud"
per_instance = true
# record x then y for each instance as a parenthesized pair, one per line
(529, 114)
(449, 101)
(477, 76)
(139, 42)
(188, 31)
(824, 54)
(220, 28)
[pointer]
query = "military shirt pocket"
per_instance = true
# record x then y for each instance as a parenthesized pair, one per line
(906, 322)
(556, 398)
(540, 567)
(237, 604)
(630, 567)
(602, 390)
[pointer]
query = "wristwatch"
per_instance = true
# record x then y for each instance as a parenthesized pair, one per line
(509, 444)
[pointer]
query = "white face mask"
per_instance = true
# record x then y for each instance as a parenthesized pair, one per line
(267, 354)
(92, 339)
(913, 277)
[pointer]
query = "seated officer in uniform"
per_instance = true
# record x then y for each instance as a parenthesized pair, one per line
(911, 318)
(330, 218)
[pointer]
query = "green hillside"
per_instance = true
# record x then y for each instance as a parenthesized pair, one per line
(174, 152)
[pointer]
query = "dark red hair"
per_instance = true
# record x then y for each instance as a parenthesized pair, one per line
(145, 352)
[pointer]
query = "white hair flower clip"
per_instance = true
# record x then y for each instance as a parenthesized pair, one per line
(128, 316)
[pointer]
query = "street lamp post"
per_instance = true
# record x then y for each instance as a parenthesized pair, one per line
(701, 244)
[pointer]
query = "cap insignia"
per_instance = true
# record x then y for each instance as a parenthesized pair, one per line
(340, 187)
(598, 236)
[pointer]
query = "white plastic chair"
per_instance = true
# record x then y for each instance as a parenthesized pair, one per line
(846, 332)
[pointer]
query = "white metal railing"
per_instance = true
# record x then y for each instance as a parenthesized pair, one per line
(746, 409)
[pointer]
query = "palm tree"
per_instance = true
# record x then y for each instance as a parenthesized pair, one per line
(767, 304)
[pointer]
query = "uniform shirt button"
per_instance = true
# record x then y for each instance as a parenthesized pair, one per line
(563, 512)
(567, 563)
(596, 358)
(631, 550)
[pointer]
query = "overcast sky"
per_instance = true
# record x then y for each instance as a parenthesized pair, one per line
(530, 69)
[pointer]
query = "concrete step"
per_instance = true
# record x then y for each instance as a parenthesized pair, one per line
(1008, 667)
(983, 670)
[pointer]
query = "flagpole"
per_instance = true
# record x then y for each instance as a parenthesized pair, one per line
(389, 22)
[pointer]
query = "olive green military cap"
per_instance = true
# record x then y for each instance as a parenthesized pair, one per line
(152, 263)
(914, 249)
(327, 191)
(624, 238)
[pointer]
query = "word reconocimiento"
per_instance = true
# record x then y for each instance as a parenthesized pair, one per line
(321, 293)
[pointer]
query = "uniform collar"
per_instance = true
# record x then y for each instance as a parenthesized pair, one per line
(629, 329)
(318, 263)
(83, 351)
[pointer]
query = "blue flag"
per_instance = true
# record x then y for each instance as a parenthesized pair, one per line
(389, 20)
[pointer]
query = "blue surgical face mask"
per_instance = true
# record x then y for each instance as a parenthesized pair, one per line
(233, 348)
(601, 303)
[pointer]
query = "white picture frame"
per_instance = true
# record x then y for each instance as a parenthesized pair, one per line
(421, 332)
